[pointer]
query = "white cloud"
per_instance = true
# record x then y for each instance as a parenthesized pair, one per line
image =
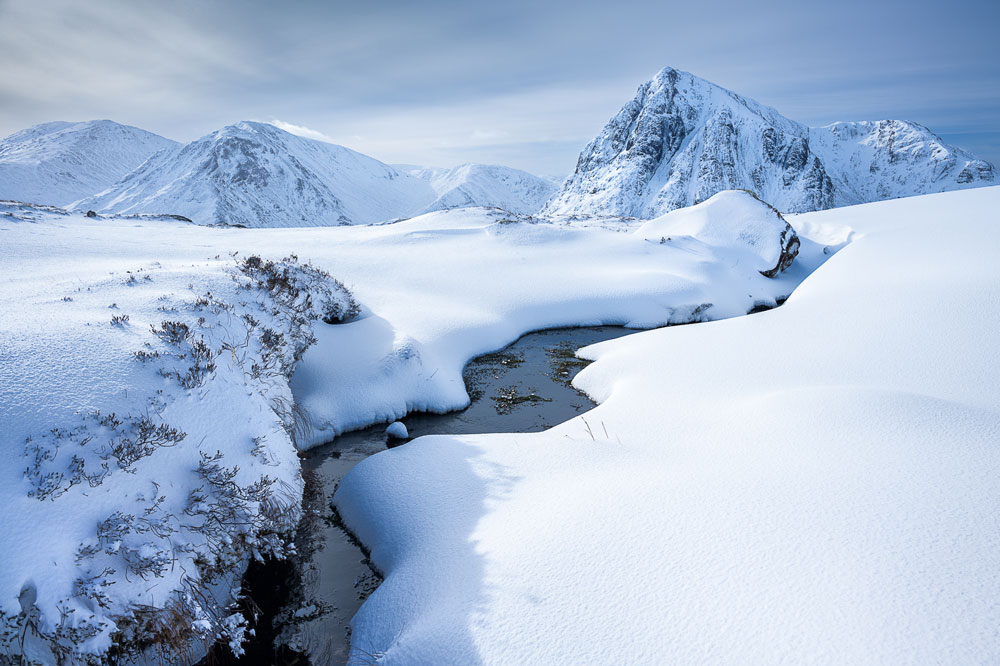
(300, 130)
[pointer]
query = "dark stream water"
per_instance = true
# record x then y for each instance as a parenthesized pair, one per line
(306, 603)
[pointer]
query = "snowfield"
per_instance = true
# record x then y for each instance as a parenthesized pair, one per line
(813, 483)
(149, 428)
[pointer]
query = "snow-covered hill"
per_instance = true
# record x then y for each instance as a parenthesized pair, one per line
(60, 162)
(486, 185)
(256, 175)
(885, 159)
(683, 139)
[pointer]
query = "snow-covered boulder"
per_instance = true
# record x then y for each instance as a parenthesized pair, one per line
(732, 220)
(397, 430)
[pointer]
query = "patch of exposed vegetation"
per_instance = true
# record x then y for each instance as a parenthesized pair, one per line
(564, 363)
(508, 398)
(492, 365)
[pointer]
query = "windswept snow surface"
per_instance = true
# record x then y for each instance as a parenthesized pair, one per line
(812, 484)
(436, 291)
(60, 162)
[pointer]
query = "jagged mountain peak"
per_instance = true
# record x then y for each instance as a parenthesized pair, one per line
(682, 139)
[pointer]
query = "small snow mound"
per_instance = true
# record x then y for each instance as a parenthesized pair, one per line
(397, 430)
(732, 219)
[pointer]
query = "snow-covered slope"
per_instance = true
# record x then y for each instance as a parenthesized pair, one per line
(486, 185)
(256, 175)
(682, 139)
(60, 162)
(143, 383)
(872, 161)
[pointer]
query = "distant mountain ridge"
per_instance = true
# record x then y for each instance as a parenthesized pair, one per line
(486, 185)
(682, 139)
(57, 163)
(257, 175)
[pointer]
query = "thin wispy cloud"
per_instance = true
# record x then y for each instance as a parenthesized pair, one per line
(300, 130)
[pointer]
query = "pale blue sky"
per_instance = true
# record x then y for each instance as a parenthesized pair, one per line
(520, 83)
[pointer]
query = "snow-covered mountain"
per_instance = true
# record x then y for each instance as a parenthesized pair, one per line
(60, 162)
(256, 175)
(885, 159)
(486, 185)
(683, 139)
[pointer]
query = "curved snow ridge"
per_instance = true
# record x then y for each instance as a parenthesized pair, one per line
(813, 483)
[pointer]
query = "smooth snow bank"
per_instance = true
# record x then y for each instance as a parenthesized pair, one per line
(812, 484)
(733, 220)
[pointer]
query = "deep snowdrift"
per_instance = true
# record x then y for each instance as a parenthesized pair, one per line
(140, 365)
(58, 163)
(816, 483)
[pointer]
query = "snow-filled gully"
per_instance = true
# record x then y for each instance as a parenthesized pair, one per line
(311, 598)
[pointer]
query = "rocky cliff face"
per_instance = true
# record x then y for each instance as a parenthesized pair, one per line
(683, 139)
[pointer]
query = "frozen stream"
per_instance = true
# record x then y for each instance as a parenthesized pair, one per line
(307, 604)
